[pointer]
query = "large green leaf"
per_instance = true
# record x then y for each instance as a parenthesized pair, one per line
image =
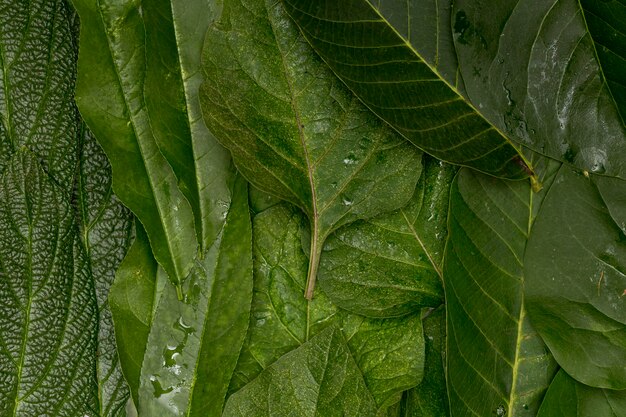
(576, 275)
(568, 398)
(534, 67)
(48, 314)
(320, 378)
(109, 93)
(398, 58)
(389, 353)
(496, 362)
(293, 129)
(105, 226)
(37, 71)
(391, 265)
(175, 33)
(193, 345)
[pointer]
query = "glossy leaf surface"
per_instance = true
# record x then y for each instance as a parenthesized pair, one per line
(320, 378)
(388, 56)
(534, 67)
(390, 265)
(568, 398)
(109, 93)
(48, 317)
(292, 127)
(496, 362)
(575, 288)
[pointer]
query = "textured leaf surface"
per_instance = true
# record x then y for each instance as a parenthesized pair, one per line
(389, 353)
(175, 32)
(320, 378)
(293, 129)
(496, 362)
(193, 346)
(575, 291)
(109, 93)
(37, 71)
(568, 398)
(105, 226)
(391, 265)
(388, 56)
(48, 316)
(534, 67)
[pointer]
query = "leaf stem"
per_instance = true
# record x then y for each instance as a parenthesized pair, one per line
(179, 292)
(314, 261)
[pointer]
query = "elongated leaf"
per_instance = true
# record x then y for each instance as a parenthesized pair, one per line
(105, 226)
(575, 288)
(131, 299)
(109, 93)
(389, 353)
(391, 265)
(497, 363)
(390, 60)
(568, 398)
(37, 71)
(534, 67)
(175, 32)
(193, 346)
(293, 129)
(320, 378)
(48, 316)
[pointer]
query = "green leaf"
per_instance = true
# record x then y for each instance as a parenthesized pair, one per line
(109, 93)
(389, 352)
(535, 69)
(496, 362)
(37, 72)
(48, 314)
(568, 398)
(131, 299)
(391, 265)
(193, 346)
(388, 55)
(576, 276)
(320, 378)
(293, 129)
(175, 33)
(105, 226)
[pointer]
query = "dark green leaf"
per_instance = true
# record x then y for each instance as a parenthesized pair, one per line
(293, 129)
(320, 378)
(48, 314)
(497, 364)
(175, 32)
(568, 398)
(389, 58)
(576, 277)
(193, 345)
(109, 94)
(391, 265)
(389, 353)
(37, 71)
(105, 226)
(534, 69)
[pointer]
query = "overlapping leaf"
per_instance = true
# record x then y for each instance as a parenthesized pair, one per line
(404, 70)
(293, 129)
(109, 93)
(497, 363)
(549, 74)
(391, 265)
(575, 291)
(568, 398)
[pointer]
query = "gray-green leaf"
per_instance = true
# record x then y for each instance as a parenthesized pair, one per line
(292, 127)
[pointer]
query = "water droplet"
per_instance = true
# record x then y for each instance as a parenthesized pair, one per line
(500, 411)
(525, 406)
(158, 389)
(333, 184)
(170, 354)
(347, 201)
(350, 159)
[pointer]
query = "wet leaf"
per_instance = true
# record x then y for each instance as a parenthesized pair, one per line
(292, 127)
